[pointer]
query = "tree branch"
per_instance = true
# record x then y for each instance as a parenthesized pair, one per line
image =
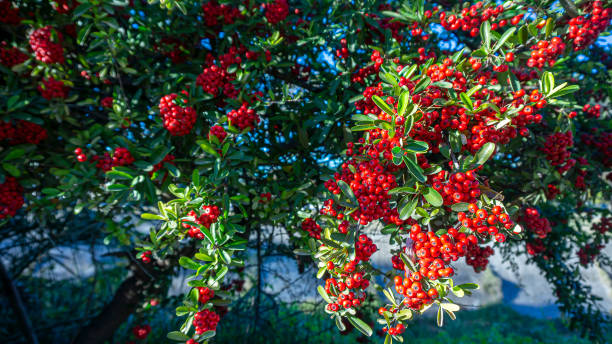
(18, 306)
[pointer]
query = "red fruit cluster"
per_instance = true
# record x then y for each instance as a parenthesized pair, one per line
(81, 157)
(215, 79)
(471, 17)
(205, 320)
(146, 257)
(47, 45)
(343, 52)
(208, 216)
(243, 118)
(141, 331)
(362, 73)
(215, 14)
(312, 227)
(592, 111)
(8, 13)
(107, 102)
(556, 150)
(205, 294)
(53, 89)
(540, 226)
(11, 197)
(64, 6)
(545, 52)
(218, 131)
(370, 183)
(603, 142)
(460, 187)
(121, 157)
(552, 191)
(588, 253)
(174, 49)
(12, 56)
(168, 158)
(277, 11)
(535, 247)
(178, 120)
(364, 248)
(22, 132)
(346, 296)
(485, 223)
(265, 197)
(478, 257)
(604, 225)
(584, 30)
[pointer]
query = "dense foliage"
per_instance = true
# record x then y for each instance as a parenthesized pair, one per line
(177, 135)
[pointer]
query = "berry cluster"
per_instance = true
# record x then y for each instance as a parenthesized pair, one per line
(545, 52)
(460, 187)
(141, 331)
(168, 158)
(603, 144)
(556, 150)
(535, 247)
(8, 13)
(146, 257)
(46, 43)
(277, 11)
(314, 230)
(552, 192)
(22, 132)
(484, 223)
(584, 30)
(64, 6)
(343, 52)
(11, 197)
(478, 257)
(178, 120)
(205, 320)
(53, 89)
(265, 197)
(243, 118)
(370, 183)
(592, 111)
(215, 14)
(121, 157)
(174, 49)
(218, 132)
(12, 56)
(471, 17)
(604, 226)
(209, 215)
(81, 157)
(540, 226)
(588, 253)
(205, 294)
(107, 102)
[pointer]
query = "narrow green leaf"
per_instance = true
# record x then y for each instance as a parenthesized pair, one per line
(382, 105)
(504, 37)
(415, 170)
(360, 325)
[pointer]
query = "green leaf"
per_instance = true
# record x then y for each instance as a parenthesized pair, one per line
(564, 91)
(14, 154)
(177, 336)
(149, 216)
(485, 33)
(50, 191)
(548, 82)
(81, 9)
(504, 37)
(465, 99)
(11, 169)
(415, 170)
(188, 263)
(408, 208)
(323, 294)
(440, 317)
(450, 307)
(382, 105)
(402, 189)
(460, 207)
(404, 101)
(207, 335)
(422, 85)
(208, 148)
(115, 174)
(360, 325)
(484, 153)
(117, 187)
(416, 146)
(433, 197)
(346, 190)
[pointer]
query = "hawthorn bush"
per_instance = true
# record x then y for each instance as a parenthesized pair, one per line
(460, 128)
